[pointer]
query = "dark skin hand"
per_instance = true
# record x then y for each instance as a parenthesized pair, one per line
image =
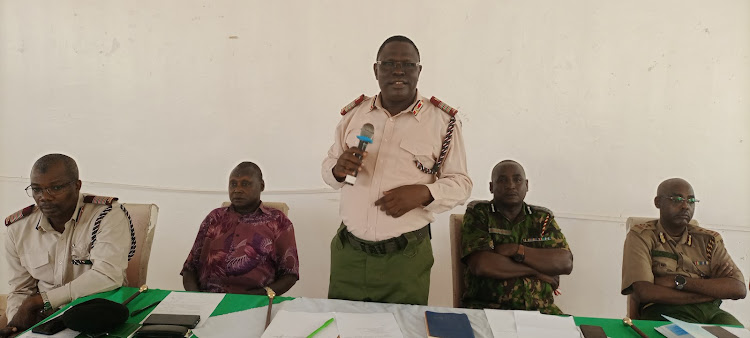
(493, 265)
(721, 285)
(27, 316)
(348, 163)
(550, 262)
(396, 202)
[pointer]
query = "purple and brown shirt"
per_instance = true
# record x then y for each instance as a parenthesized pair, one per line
(234, 253)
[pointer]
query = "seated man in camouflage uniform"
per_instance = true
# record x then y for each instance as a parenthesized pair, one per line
(515, 252)
(674, 268)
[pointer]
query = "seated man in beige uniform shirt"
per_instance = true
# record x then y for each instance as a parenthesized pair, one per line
(415, 167)
(677, 269)
(68, 245)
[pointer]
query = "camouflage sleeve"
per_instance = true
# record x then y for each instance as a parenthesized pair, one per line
(474, 233)
(558, 239)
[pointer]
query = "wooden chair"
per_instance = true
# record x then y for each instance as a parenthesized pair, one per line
(633, 310)
(283, 207)
(144, 221)
(3, 306)
(458, 267)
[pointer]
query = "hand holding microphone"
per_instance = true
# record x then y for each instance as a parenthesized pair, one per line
(350, 162)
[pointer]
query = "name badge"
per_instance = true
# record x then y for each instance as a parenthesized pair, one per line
(505, 232)
(539, 239)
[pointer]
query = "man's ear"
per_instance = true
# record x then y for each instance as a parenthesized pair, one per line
(375, 70)
(262, 185)
(491, 190)
(527, 185)
(657, 202)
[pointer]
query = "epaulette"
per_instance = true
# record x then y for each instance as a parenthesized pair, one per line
(104, 200)
(651, 225)
(472, 204)
(444, 107)
(19, 214)
(353, 104)
(536, 208)
(704, 231)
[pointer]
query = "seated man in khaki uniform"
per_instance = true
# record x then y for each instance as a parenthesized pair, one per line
(68, 245)
(677, 269)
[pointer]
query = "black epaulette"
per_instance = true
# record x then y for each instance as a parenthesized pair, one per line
(444, 107)
(353, 104)
(19, 214)
(103, 200)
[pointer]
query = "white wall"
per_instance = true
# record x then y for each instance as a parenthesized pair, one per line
(600, 100)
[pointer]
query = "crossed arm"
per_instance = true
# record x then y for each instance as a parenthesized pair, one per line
(545, 264)
(721, 285)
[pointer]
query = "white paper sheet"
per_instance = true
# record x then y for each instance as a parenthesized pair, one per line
(694, 330)
(288, 324)
(532, 324)
(67, 333)
(368, 325)
(502, 323)
(248, 323)
(189, 303)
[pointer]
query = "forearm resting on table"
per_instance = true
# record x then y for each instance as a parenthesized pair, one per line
(279, 286)
(190, 280)
(492, 265)
(647, 292)
(552, 262)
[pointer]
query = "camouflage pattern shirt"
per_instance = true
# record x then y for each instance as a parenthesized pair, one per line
(482, 229)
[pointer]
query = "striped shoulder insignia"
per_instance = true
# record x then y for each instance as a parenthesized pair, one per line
(704, 231)
(536, 208)
(104, 200)
(19, 214)
(444, 107)
(353, 104)
(473, 204)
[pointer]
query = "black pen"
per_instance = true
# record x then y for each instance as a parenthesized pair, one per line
(137, 312)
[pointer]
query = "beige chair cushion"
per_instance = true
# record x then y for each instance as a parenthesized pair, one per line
(144, 218)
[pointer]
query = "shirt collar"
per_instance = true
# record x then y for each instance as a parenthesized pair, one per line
(525, 209)
(261, 209)
(685, 238)
(413, 109)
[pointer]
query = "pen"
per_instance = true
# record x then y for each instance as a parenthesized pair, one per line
(139, 311)
(328, 322)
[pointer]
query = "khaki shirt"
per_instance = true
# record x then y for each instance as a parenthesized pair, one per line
(650, 252)
(65, 265)
(397, 142)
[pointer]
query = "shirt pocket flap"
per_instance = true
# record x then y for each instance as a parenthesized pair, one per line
(35, 260)
(420, 151)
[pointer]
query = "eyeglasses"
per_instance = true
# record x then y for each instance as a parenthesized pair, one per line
(678, 200)
(52, 191)
(391, 65)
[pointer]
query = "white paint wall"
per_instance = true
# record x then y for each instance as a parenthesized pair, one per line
(600, 100)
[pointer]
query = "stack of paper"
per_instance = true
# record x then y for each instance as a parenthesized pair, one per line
(530, 324)
(288, 324)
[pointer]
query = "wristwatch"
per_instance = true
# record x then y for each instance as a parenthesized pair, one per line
(520, 255)
(47, 305)
(679, 282)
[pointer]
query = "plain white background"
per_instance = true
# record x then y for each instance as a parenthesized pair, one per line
(600, 100)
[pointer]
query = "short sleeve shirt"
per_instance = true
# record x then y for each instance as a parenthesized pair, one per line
(650, 252)
(234, 253)
(484, 228)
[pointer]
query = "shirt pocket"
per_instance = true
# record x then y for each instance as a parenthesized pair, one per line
(80, 253)
(419, 150)
(663, 263)
(35, 262)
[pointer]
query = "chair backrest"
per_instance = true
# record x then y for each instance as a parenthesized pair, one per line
(275, 205)
(457, 266)
(3, 304)
(144, 221)
(633, 306)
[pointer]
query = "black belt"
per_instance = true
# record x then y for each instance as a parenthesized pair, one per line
(386, 246)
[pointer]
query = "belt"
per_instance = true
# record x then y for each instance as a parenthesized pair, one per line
(386, 246)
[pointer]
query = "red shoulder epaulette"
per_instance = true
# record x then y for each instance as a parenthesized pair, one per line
(19, 214)
(353, 104)
(444, 107)
(104, 200)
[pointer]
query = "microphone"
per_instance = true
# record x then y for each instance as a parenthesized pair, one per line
(365, 138)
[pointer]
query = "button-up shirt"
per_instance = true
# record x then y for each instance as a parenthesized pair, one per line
(414, 134)
(650, 252)
(70, 264)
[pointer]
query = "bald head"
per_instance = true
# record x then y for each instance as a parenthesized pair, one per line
(247, 169)
(506, 163)
(46, 162)
(668, 186)
(675, 200)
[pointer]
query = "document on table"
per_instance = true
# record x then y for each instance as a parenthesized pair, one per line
(288, 324)
(190, 303)
(530, 324)
(368, 325)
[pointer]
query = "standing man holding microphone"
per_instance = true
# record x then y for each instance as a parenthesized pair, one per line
(414, 167)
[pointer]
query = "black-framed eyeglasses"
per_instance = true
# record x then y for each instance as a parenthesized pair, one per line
(52, 191)
(678, 200)
(391, 65)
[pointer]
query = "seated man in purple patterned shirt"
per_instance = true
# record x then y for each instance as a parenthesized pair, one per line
(245, 247)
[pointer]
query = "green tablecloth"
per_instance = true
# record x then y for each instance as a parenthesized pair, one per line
(233, 303)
